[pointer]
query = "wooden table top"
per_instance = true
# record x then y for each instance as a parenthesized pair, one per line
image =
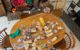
(27, 21)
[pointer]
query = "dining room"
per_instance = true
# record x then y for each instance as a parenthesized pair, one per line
(39, 25)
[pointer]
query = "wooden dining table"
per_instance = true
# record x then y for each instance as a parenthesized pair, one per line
(27, 21)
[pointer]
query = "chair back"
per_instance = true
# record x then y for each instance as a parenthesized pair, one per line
(70, 41)
(4, 39)
(2, 35)
(67, 43)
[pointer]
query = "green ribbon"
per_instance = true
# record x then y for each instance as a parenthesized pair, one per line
(15, 34)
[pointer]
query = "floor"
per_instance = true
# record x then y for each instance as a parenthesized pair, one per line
(9, 24)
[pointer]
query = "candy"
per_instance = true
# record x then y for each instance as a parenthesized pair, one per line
(48, 31)
(46, 28)
(28, 41)
(48, 35)
(42, 21)
(23, 26)
(34, 44)
(38, 23)
(43, 38)
(53, 39)
(53, 26)
(19, 46)
(56, 23)
(26, 46)
(20, 40)
(55, 31)
(39, 28)
(35, 40)
(38, 37)
(49, 42)
(59, 27)
(39, 48)
(33, 48)
(24, 31)
(33, 30)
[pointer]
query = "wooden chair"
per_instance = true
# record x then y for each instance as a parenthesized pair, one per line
(69, 39)
(67, 43)
(4, 39)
